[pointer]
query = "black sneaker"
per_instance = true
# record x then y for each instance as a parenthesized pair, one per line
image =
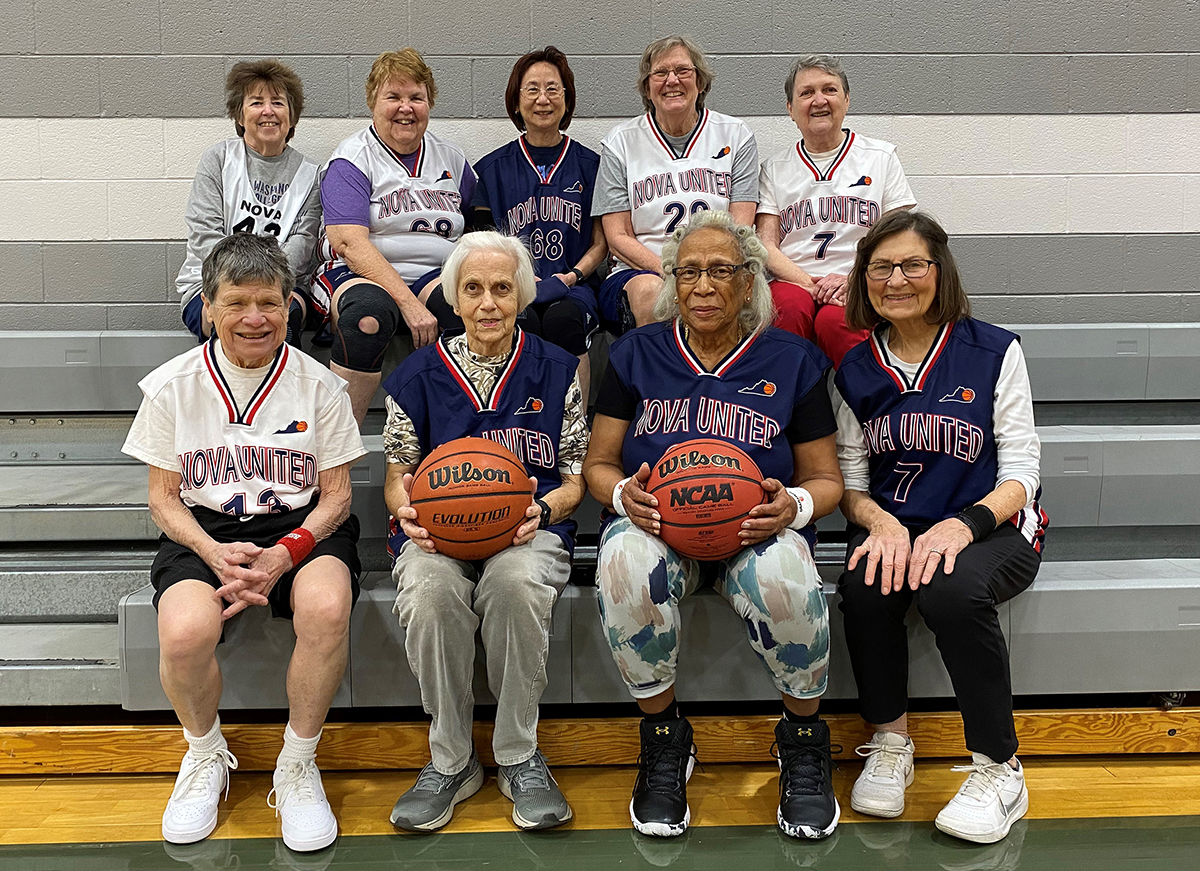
(659, 806)
(807, 806)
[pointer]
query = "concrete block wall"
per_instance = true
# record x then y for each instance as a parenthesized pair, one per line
(1058, 141)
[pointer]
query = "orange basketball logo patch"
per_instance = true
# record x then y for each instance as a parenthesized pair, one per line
(302, 426)
(968, 394)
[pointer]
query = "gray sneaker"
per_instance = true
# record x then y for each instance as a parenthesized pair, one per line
(537, 801)
(430, 803)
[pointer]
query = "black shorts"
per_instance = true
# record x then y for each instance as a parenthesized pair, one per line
(175, 563)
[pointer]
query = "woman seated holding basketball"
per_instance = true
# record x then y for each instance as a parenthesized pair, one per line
(499, 383)
(714, 369)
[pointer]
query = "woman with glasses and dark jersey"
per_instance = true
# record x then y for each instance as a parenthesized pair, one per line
(939, 454)
(661, 167)
(539, 188)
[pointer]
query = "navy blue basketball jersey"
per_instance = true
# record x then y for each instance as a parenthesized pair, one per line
(524, 411)
(749, 399)
(930, 440)
(549, 207)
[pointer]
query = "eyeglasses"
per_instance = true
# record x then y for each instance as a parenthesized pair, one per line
(722, 273)
(881, 270)
(552, 92)
(681, 73)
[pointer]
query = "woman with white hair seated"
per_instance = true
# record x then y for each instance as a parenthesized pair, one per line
(488, 382)
(714, 349)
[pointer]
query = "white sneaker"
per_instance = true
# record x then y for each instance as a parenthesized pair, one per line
(191, 813)
(992, 798)
(888, 771)
(299, 801)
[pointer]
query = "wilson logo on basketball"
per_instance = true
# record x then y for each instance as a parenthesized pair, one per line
(696, 459)
(709, 494)
(444, 476)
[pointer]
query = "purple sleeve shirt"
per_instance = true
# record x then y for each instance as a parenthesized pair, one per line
(346, 195)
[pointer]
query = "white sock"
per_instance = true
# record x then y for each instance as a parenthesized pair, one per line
(214, 740)
(297, 749)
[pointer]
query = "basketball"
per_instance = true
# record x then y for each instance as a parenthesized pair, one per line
(705, 489)
(471, 495)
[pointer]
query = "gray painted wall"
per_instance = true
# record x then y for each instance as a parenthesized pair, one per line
(140, 59)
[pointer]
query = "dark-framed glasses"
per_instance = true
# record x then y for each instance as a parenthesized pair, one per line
(915, 267)
(721, 272)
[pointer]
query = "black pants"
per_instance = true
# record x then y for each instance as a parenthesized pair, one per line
(960, 610)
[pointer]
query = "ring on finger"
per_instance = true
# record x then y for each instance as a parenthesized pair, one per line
(938, 552)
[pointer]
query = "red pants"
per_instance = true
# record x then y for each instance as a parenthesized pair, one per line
(823, 325)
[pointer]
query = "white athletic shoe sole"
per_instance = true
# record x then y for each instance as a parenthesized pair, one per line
(318, 841)
(192, 835)
(878, 809)
(809, 832)
(1015, 813)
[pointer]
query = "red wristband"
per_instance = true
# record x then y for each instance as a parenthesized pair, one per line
(299, 543)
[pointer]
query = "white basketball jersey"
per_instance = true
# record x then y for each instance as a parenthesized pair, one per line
(262, 458)
(823, 213)
(244, 213)
(665, 188)
(415, 217)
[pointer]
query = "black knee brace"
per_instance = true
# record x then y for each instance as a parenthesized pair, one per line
(565, 324)
(295, 322)
(352, 348)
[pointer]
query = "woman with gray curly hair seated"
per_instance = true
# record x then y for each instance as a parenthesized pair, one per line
(714, 368)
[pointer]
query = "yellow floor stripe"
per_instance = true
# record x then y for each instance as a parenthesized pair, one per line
(100, 808)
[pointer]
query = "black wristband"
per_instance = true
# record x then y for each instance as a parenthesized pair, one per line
(979, 519)
(578, 273)
(545, 521)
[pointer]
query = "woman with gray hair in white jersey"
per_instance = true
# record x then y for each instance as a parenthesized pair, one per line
(254, 183)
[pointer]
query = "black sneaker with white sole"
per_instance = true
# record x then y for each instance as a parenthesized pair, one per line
(659, 806)
(807, 806)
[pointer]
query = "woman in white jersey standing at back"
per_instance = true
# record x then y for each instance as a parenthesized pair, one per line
(254, 183)
(394, 197)
(661, 167)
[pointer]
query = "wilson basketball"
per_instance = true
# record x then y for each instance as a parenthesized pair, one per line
(705, 489)
(471, 494)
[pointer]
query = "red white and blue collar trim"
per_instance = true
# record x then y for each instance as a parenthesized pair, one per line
(237, 416)
(837, 159)
(721, 368)
(492, 402)
(418, 162)
(885, 361)
(666, 144)
(546, 179)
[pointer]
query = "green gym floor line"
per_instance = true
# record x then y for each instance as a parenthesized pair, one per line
(1137, 844)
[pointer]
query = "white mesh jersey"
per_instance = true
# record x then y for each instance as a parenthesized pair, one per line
(666, 187)
(244, 213)
(823, 213)
(262, 457)
(415, 217)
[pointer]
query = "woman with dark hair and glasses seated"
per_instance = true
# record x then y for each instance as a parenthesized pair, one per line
(539, 188)
(715, 348)
(940, 459)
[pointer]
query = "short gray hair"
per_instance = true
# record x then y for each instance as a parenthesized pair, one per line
(704, 73)
(826, 62)
(243, 258)
(490, 240)
(759, 312)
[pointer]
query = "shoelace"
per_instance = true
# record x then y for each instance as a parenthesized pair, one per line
(802, 769)
(662, 764)
(882, 758)
(984, 780)
(531, 775)
(298, 780)
(432, 780)
(192, 784)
